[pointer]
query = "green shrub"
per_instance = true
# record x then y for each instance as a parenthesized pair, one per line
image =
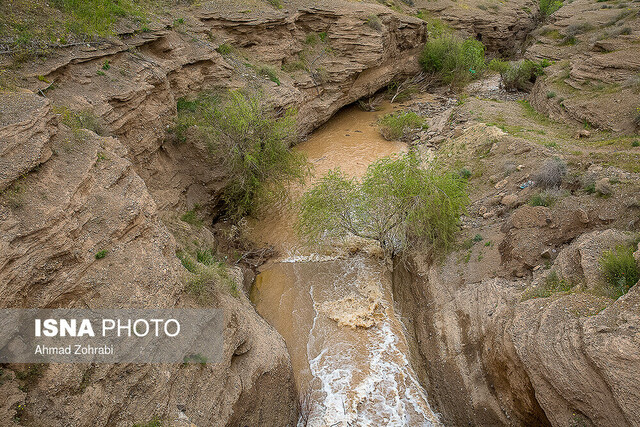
(191, 217)
(270, 73)
(465, 173)
(78, 120)
(96, 16)
(224, 49)
(101, 254)
(251, 141)
(620, 270)
(206, 275)
(276, 3)
(397, 203)
(541, 199)
(635, 143)
(569, 41)
(519, 75)
(551, 94)
(453, 60)
(547, 7)
(399, 124)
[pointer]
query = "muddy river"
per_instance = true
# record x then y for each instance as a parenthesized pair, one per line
(334, 306)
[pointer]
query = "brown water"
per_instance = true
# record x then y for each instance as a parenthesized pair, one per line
(335, 310)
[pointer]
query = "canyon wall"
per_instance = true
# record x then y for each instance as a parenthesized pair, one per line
(119, 188)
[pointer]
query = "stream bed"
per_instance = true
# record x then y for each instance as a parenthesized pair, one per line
(334, 307)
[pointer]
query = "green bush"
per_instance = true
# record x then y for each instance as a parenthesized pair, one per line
(519, 75)
(547, 7)
(541, 199)
(620, 270)
(206, 275)
(453, 60)
(101, 254)
(154, 422)
(224, 49)
(397, 202)
(396, 125)
(251, 141)
(270, 73)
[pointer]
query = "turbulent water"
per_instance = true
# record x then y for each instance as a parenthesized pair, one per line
(335, 310)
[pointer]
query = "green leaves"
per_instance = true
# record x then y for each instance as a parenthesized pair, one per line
(397, 202)
(453, 60)
(251, 141)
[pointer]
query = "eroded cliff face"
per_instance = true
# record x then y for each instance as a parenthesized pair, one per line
(502, 27)
(490, 351)
(68, 193)
(595, 78)
(86, 197)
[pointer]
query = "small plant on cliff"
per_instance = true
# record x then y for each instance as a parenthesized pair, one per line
(399, 124)
(206, 274)
(620, 270)
(154, 422)
(374, 22)
(252, 143)
(453, 60)
(397, 203)
(275, 3)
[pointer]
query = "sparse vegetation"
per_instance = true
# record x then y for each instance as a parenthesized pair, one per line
(270, 73)
(207, 273)
(191, 217)
(224, 49)
(30, 375)
(79, 120)
(276, 3)
(253, 143)
(397, 203)
(399, 124)
(552, 284)
(453, 60)
(542, 199)
(373, 21)
(154, 422)
(551, 173)
(620, 270)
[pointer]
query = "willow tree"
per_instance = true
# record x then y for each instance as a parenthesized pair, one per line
(397, 203)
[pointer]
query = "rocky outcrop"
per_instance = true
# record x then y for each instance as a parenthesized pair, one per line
(23, 117)
(594, 79)
(134, 96)
(87, 198)
(501, 27)
(546, 361)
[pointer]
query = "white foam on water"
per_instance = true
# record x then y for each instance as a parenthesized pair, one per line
(385, 391)
(309, 258)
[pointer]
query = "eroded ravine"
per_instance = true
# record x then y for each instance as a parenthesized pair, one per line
(335, 308)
